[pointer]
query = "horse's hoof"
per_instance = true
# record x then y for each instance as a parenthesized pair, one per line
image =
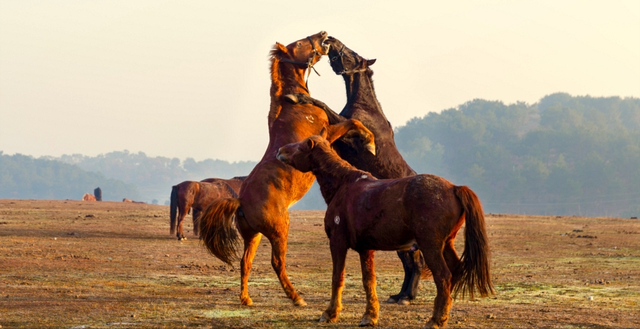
(371, 148)
(367, 321)
(391, 300)
(291, 98)
(300, 302)
(246, 301)
(432, 325)
(325, 318)
(404, 301)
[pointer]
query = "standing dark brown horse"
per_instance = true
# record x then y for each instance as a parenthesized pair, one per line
(367, 214)
(362, 104)
(272, 187)
(198, 195)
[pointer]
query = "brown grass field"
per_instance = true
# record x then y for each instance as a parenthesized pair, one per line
(74, 264)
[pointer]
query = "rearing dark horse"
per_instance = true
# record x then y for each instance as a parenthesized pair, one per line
(363, 105)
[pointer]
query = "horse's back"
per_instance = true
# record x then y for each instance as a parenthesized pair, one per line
(431, 200)
(209, 192)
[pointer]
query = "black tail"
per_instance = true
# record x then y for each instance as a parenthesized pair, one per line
(173, 208)
(475, 270)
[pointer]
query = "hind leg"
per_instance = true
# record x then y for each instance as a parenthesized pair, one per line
(278, 262)
(453, 261)
(195, 217)
(433, 256)
(251, 243)
(413, 265)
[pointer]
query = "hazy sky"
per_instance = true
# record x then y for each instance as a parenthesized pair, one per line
(190, 78)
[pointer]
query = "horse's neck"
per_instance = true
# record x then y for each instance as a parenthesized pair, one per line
(361, 94)
(284, 80)
(362, 104)
(333, 174)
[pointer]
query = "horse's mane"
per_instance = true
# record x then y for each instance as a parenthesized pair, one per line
(276, 85)
(340, 170)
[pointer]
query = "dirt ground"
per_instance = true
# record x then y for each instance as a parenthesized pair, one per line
(74, 264)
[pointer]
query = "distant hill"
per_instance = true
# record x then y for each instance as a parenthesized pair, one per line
(24, 177)
(154, 176)
(564, 155)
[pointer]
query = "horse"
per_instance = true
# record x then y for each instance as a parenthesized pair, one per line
(367, 214)
(362, 104)
(88, 197)
(198, 195)
(272, 187)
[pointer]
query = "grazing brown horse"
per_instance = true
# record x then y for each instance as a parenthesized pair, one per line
(272, 187)
(368, 214)
(198, 195)
(362, 104)
(88, 197)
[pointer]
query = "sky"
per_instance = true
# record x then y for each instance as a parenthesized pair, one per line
(191, 78)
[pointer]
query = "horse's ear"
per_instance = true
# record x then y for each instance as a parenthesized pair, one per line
(323, 132)
(281, 48)
(370, 61)
(310, 143)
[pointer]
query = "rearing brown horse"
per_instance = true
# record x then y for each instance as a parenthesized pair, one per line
(366, 214)
(272, 187)
(362, 104)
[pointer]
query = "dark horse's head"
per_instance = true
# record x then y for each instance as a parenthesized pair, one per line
(304, 52)
(344, 60)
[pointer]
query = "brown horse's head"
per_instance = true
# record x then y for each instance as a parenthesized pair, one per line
(304, 52)
(298, 155)
(344, 60)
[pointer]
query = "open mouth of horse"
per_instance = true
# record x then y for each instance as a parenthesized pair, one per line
(324, 47)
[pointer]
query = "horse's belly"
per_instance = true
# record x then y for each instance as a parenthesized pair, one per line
(386, 232)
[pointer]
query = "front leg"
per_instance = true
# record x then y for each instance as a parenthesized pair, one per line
(370, 317)
(338, 256)
(333, 132)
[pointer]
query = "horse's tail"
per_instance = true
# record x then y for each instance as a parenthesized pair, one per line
(173, 208)
(218, 229)
(475, 270)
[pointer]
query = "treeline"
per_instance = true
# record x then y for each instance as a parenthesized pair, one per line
(154, 176)
(564, 155)
(24, 177)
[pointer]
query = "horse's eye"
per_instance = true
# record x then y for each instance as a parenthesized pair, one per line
(298, 44)
(334, 58)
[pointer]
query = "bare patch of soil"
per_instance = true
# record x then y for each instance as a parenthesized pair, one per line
(74, 264)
